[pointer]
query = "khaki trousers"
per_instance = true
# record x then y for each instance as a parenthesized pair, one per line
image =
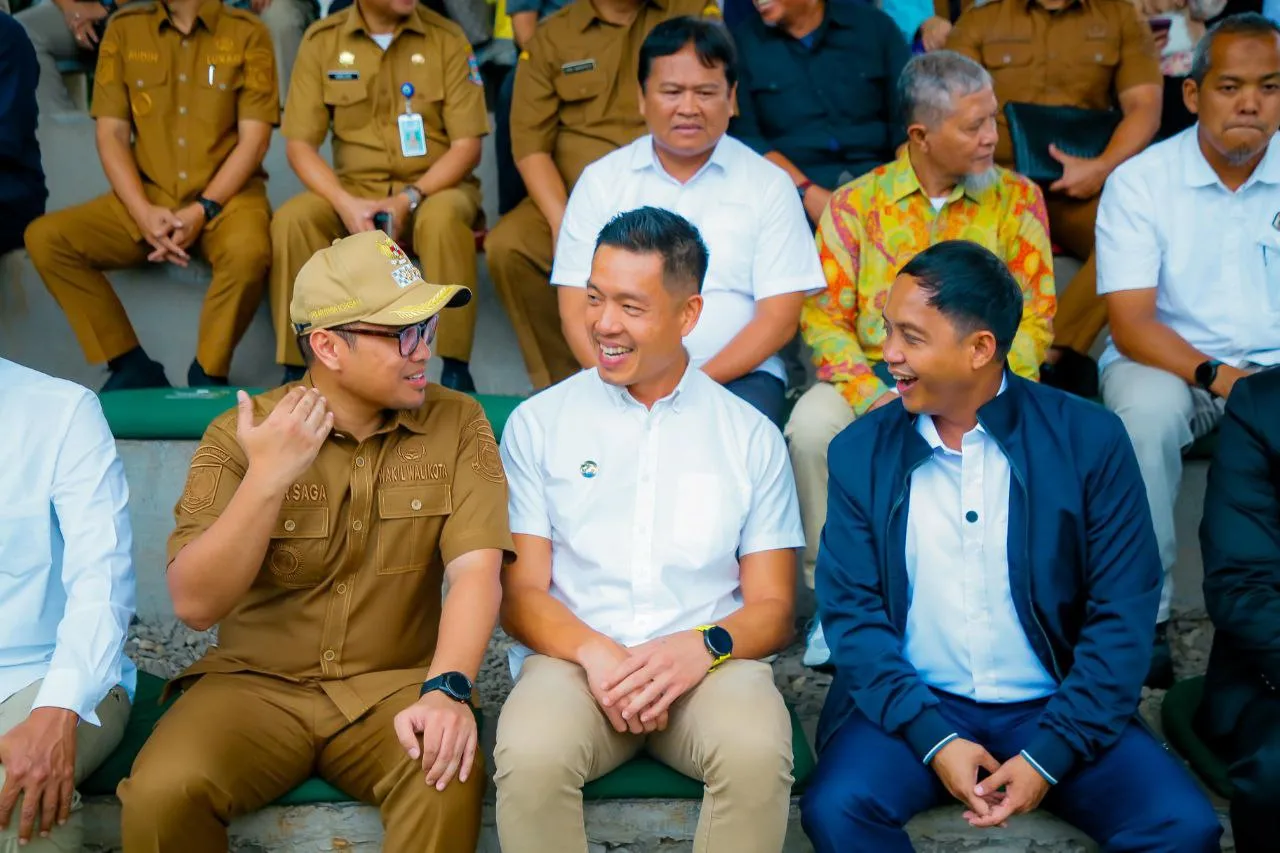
(72, 247)
(818, 417)
(234, 743)
(93, 745)
(732, 731)
(519, 251)
(443, 240)
(1081, 312)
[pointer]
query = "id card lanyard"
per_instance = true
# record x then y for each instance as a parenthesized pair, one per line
(413, 136)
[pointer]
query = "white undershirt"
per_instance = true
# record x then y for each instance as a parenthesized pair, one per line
(938, 202)
(383, 39)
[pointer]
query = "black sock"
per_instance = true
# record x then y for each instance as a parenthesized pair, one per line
(454, 363)
(134, 359)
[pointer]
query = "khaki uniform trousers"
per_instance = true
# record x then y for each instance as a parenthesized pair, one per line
(520, 253)
(93, 745)
(72, 247)
(234, 743)
(443, 240)
(553, 738)
(818, 417)
(1081, 312)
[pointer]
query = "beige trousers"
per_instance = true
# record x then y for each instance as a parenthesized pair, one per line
(819, 416)
(93, 745)
(732, 731)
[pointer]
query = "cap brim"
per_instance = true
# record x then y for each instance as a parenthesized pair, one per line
(419, 303)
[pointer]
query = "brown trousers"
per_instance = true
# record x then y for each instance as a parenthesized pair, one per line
(519, 251)
(72, 247)
(1081, 311)
(234, 743)
(443, 240)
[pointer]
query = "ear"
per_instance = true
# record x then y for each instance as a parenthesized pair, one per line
(916, 134)
(1191, 96)
(640, 100)
(733, 100)
(330, 349)
(689, 314)
(982, 349)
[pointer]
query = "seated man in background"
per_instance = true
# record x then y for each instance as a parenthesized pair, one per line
(22, 187)
(66, 598)
(1240, 540)
(988, 582)
(185, 99)
(1189, 262)
(399, 87)
(575, 101)
(317, 528)
(944, 186)
(817, 93)
(762, 256)
(1094, 54)
(655, 523)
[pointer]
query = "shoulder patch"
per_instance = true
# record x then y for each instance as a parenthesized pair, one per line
(203, 478)
(473, 69)
(488, 463)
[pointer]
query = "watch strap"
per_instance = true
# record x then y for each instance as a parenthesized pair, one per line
(414, 195)
(803, 187)
(717, 658)
(441, 683)
(211, 207)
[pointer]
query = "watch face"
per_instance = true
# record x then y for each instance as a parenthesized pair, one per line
(719, 641)
(457, 685)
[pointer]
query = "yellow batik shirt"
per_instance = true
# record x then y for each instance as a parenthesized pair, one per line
(876, 224)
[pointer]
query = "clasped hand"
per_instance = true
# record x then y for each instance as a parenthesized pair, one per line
(636, 687)
(1013, 788)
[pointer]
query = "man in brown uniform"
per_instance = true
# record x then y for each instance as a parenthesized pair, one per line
(1079, 53)
(575, 101)
(193, 84)
(318, 525)
(406, 156)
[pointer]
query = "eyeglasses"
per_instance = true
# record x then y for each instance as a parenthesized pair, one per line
(409, 336)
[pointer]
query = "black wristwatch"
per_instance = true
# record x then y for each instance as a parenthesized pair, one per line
(455, 685)
(719, 643)
(1207, 373)
(211, 207)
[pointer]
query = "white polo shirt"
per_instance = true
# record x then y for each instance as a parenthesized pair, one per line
(647, 510)
(747, 210)
(1166, 221)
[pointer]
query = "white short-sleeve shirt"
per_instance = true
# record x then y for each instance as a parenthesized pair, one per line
(647, 510)
(1167, 222)
(747, 210)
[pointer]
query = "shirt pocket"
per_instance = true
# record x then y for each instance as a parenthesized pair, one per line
(296, 555)
(1092, 71)
(148, 93)
(1268, 245)
(24, 538)
(410, 519)
(703, 526)
(1009, 63)
(582, 96)
(218, 95)
(349, 105)
(730, 237)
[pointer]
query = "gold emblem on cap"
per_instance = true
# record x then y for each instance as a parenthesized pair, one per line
(417, 59)
(346, 58)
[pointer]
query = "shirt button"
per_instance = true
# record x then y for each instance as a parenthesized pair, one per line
(222, 86)
(182, 78)
(182, 111)
(330, 655)
(971, 516)
(290, 525)
(357, 525)
(359, 461)
(181, 142)
(139, 84)
(416, 505)
(182, 176)
(186, 43)
(342, 589)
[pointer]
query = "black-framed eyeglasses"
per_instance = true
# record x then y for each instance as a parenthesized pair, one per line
(409, 336)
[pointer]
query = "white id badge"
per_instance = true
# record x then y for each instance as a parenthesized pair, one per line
(413, 137)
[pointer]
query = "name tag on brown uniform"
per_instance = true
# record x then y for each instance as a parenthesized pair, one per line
(578, 67)
(344, 75)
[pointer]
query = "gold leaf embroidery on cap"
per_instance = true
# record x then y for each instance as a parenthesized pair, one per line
(319, 313)
(408, 312)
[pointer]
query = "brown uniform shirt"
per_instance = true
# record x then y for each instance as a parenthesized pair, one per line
(343, 78)
(185, 95)
(576, 93)
(1081, 56)
(349, 593)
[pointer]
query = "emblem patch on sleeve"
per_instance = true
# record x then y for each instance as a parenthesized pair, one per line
(202, 487)
(488, 463)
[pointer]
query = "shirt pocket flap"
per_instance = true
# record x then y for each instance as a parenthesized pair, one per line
(222, 78)
(580, 85)
(416, 501)
(342, 93)
(144, 76)
(304, 522)
(1101, 50)
(1007, 54)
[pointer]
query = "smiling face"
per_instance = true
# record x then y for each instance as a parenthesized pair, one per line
(686, 104)
(1238, 104)
(637, 324)
(371, 368)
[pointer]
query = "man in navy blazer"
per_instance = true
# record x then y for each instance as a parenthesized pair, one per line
(988, 581)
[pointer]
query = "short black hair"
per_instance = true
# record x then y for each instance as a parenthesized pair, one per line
(971, 287)
(711, 42)
(1243, 24)
(309, 355)
(653, 229)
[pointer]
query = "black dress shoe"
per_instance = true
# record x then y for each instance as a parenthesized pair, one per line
(456, 374)
(293, 373)
(197, 378)
(1072, 372)
(1160, 675)
(148, 374)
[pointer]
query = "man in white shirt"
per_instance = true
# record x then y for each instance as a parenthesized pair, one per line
(1189, 261)
(762, 257)
(66, 598)
(655, 523)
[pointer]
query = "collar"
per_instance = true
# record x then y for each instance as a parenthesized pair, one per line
(903, 181)
(209, 14)
(840, 13)
(929, 430)
(623, 400)
(355, 24)
(1197, 172)
(582, 15)
(1029, 3)
(644, 156)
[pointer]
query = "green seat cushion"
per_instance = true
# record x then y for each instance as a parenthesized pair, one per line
(644, 778)
(146, 713)
(1178, 715)
(185, 413)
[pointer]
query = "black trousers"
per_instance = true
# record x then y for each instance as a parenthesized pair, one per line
(1254, 747)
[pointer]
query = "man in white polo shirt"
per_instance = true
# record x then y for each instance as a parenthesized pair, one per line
(656, 526)
(1189, 261)
(763, 258)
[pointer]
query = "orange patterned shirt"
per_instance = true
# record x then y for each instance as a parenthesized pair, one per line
(876, 224)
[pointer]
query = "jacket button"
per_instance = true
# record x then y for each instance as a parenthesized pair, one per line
(290, 525)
